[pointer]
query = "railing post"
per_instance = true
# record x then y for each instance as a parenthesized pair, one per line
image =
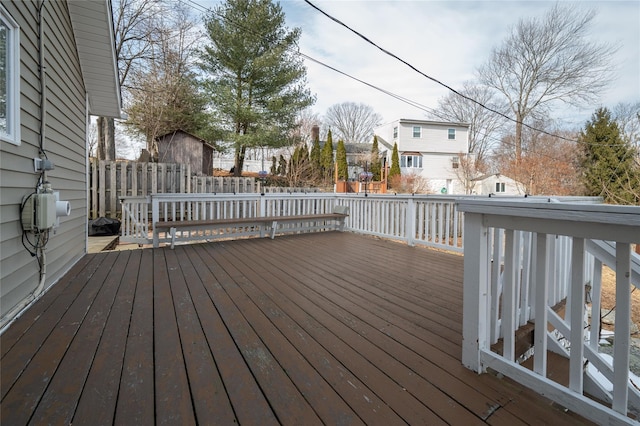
(475, 320)
(155, 217)
(541, 283)
(623, 319)
(576, 316)
(410, 222)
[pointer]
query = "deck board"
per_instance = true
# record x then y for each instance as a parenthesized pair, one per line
(329, 328)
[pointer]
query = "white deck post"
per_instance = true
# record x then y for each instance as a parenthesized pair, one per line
(155, 217)
(576, 317)
(475, 321)
(410, 222)
(623, 319)
(541, 283)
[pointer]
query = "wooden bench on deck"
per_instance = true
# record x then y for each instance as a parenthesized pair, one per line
(330, 221)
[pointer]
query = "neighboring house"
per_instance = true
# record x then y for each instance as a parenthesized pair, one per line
(496, 184)
(430, 149)
(185, 148)
(78, 78)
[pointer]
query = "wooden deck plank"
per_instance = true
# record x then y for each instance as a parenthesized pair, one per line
(330, 407)
(383, 347)
(247, 399)
(209, 397)
(393, 338)
(18, 405)
(22, 324)
(47, 314)
(136, 402)
(173, 399)
(284, 397)
(97, 404)
(328, 328)
(60, 399)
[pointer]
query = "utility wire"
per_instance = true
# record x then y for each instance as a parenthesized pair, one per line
(393, 55)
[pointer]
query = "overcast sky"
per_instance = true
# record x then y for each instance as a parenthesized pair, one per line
(447, 40)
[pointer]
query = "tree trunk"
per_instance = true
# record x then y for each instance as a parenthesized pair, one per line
(100, 148)
(518, 141)
(106, 149)
(239, 163)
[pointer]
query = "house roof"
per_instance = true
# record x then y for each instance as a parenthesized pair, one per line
(437, 123)
(171, 134)
(93, 30)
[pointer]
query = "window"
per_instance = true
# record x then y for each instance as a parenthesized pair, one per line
(411, 161)
(500, 187)
(455, 162)
(9, 79)
(395, 132)
(452, 133)
(417, 131)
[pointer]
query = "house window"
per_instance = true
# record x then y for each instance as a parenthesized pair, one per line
(500, 187)
(395, 132)
(455, 162)
(452, 133)
(411, 161)
(417, 131)
(9, 79)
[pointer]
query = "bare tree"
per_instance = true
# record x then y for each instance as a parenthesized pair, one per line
(164, 96)
(132, 31)
(547, 60)
(627, 116)
(484, 125)
(305, 122)
(352, 122)
(466, 170)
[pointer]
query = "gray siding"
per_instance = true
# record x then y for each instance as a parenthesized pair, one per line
(64, 144)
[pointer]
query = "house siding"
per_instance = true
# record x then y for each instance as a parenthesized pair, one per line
(65, 144)
(435, 147)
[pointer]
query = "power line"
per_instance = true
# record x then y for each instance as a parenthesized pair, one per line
(393, 55)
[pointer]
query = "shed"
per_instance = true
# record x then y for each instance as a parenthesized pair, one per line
(185, 148)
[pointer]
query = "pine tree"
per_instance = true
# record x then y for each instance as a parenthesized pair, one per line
(608, 161)
(316, 159)
(327, 158)
(255, 79)
(341, 159)
(376, 167)
(395, 163)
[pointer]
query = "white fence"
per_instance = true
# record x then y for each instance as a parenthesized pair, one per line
(426, 220)
(546, 249)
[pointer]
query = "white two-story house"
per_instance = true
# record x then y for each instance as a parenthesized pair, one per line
(430, 149)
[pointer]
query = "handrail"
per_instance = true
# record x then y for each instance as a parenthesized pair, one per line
(546, 221)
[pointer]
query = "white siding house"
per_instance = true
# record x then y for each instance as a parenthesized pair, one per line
(496, 184)
(430, 149)
(60, 68)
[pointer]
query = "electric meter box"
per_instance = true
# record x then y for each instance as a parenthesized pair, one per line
(39, 212)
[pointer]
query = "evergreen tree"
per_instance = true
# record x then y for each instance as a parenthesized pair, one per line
(609, 161)
(274, 166)
(327, 158)
(254, 76)
(316, 159)
(395, 163)
(341, 159)
(376, 167)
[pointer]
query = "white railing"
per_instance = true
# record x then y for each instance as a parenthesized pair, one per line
(545, 249)
(425, 220)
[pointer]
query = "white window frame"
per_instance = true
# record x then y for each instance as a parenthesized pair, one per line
(500, 187)
(12, 132)
(395, 132)
(451, 134)
(413, 132)
(414, 160)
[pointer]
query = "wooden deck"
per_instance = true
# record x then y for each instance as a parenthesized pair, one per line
(329, 328)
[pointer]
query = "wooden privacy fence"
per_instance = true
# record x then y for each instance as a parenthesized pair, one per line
(111, 180)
